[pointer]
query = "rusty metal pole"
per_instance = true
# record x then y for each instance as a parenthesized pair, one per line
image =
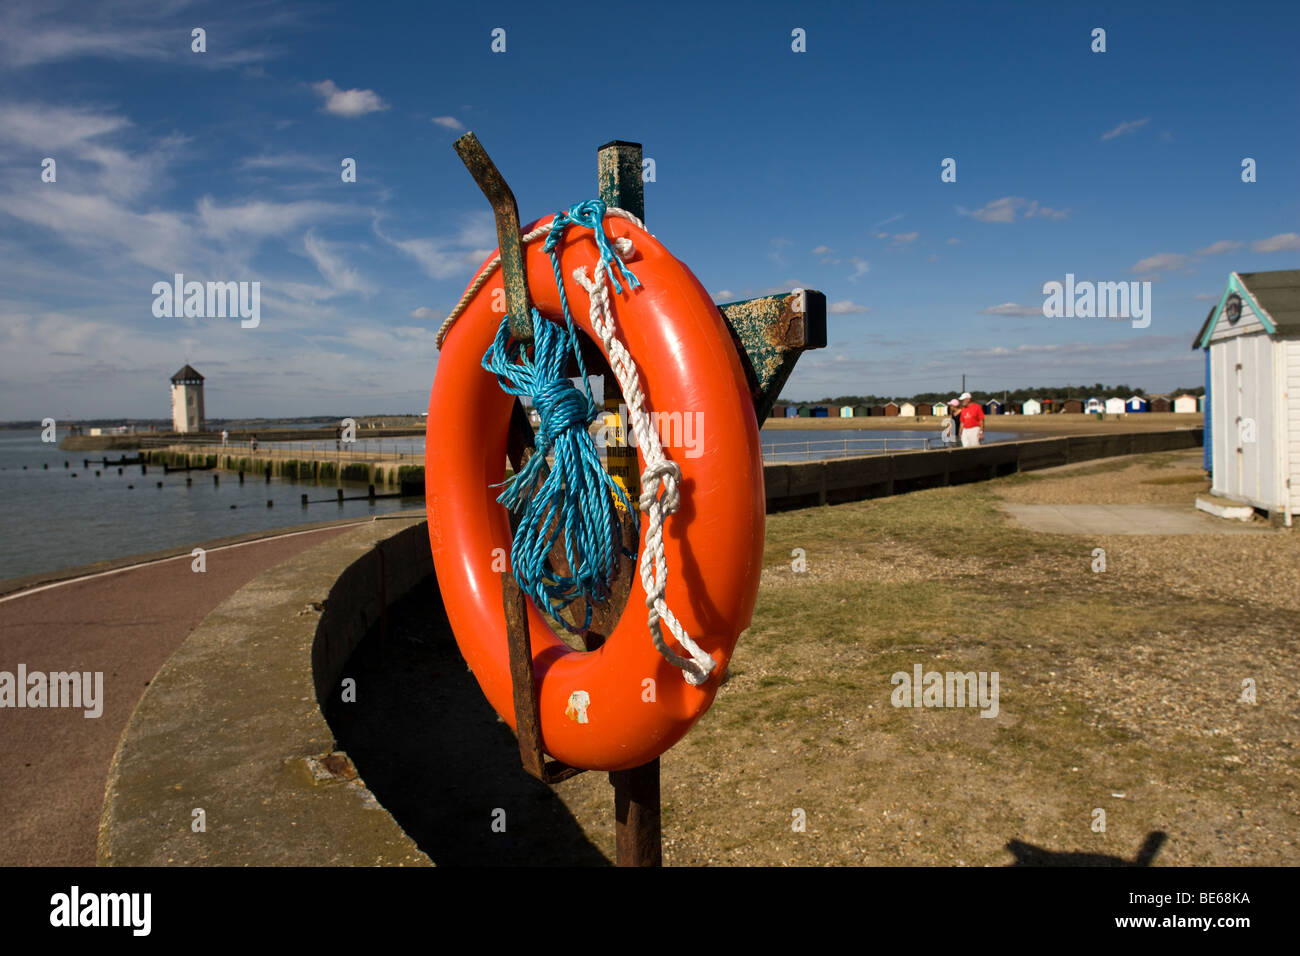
(638, 833)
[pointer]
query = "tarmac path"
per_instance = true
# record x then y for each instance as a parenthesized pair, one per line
(125, 624)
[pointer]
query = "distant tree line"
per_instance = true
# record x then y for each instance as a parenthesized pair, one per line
(1009, 395)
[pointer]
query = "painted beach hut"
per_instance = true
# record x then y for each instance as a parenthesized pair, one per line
(1135, 404)
(1072, 406)
(846, 411)
(805, 411)
(1161, 404)
(938, 409)
(891, 409)
(1094, 405)
(1200, 403)
(1031, 406)
(1251, 341)
(877, 411)
(792, 411)
(1114, 406)
(907, 409)
(1185, 405)
(861, 411)
(820, 411)
(992, 407)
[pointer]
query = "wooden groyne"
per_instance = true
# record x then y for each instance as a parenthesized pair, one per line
(398, 472)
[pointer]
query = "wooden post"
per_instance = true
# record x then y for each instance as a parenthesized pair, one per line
(638, 834)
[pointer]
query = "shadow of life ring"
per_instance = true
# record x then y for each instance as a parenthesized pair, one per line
(622, 704)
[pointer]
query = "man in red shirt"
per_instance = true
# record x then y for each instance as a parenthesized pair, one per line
(972, 422)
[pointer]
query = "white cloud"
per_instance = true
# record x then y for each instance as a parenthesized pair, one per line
(259, 218)
(1283, 242)
(330, 264)
(846, 307)
(1162, 262)
(445, 257)
(1011, 308)
(903, 238)
(860, 268)
(1218, 248)
(350, 103)
(1126, 127)
(999, 210)
(424, 312)
(450, 122)
(821, 250)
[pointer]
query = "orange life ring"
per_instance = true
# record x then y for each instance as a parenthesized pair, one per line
(713, 543)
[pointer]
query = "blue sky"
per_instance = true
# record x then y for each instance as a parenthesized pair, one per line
(774, 169)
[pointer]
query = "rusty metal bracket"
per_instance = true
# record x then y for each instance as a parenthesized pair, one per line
(528, 721)
(770, 333)
(506, 212)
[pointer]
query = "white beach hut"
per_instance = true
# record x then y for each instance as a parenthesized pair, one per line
(1093, 405)
(1114, 406)
(1185, 404)
(938, 409)
(907, 408)
(1031, 406)
(846, 411)
(1251, 341)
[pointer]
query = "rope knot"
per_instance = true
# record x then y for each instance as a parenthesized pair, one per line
(560, 406)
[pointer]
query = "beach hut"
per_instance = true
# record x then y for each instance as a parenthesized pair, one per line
(938, 409)
(992, 407)
(1251, 340)
(1031, 407)
(1050, 405)
(1136, 404)
(1093, 406)
(1072, 406)
(778, 411)
(891, 409)
(1200, 403)
(846, 411)
(1114, 406)
(805, 411)
(1185, 404)
(861, 411)
(877, 411)
(1161, 404)
(792, 411)
(907, 409)
(820, 411)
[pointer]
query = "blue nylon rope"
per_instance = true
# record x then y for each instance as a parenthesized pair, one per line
(576, 497)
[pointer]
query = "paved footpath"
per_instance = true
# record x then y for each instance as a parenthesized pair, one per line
(1125, 519)
(125, 623)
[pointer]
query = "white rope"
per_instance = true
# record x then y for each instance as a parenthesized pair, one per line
(660, 474)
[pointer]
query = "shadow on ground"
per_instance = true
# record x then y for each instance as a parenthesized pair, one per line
(1027, 854)
(434, 753)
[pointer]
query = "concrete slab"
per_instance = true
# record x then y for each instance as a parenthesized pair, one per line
(1122, 519)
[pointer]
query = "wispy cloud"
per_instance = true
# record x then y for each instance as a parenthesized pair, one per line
(450, 122)
(1012, 308)
(1283, 242)
(1161, 262)
(1218, 248)
(1127, 126)
(860, 268)
(349, 103)
(846, 307)
(445, 257)
(1006, 209)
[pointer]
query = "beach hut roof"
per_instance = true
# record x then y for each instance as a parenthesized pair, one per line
(1275, 297)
